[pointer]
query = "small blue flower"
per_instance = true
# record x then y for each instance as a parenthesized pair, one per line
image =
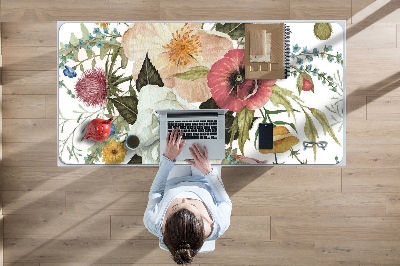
(103, 37)
(105, 30)
(96, 31)
(67, 45)
(69, 72)
(330, 59)
(112, 129)
(315, 52)
(330, 48)
(309, 58)
(115, 31)
(81, 44)
(299, 61)
(99, 44)
(301, 68)
(296, 48)
(88, 46)
(112, 39)
(308, 68)
(305, 50)
(70, 56)
(91, 38)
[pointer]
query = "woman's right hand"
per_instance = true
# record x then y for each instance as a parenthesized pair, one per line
(200, 159)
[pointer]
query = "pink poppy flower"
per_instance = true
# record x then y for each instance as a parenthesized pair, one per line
(231, 90)
(174, 49)
(91, 88)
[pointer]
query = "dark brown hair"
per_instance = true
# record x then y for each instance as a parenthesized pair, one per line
(184, 235)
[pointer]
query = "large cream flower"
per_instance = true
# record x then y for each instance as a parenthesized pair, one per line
(176, 48)
(147, 125)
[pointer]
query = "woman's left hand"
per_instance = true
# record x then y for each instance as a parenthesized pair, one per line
(174, 144)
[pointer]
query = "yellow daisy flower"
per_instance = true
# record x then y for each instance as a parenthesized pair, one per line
(114, 152)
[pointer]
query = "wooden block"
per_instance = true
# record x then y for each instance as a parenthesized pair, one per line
(393, 204)
(372, 81)
(376, 132)
(382, 180)
(382, 155)
(30, 154)
(24, 106)
(286, 180)
(309, 10)
(28, 34)
(51, 226)
(224, 10)
(124, 10)
(383, 108)
(33, 202)
(309, 204)
(335, 228)
(363, 252)
(249, 227)
(30, 82)
(129, 227)
(110, 203)
(51, 106)
(82, 179)
(29, 130)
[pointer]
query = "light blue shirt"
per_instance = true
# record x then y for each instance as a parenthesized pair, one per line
(209, 188)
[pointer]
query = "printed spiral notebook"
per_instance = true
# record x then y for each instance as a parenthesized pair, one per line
(267, 51)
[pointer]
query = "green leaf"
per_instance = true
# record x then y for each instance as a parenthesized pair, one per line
(73, 40)
(85, 32)
(136, 159)
(127, 107)
(280, 96)
(194, 73)
(286, 123)
(124, 59)
(93, 63)
(89, 53)
(244, 121)
(320, 116)
(110, 107)
(311, 132)
(234, 30)
(103, 52)
(81, 68)
(148, 75)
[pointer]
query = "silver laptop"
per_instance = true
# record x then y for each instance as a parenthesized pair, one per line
(205, 127)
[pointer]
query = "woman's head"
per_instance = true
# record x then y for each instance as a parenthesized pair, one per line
(184, 235)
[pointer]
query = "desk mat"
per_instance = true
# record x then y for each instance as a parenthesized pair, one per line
(123, 71)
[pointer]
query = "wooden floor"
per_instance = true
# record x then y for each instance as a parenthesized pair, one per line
(281, 215)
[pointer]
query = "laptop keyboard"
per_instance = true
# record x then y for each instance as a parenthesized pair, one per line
(196, 129)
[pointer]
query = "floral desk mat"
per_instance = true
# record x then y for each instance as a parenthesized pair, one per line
(123, 72)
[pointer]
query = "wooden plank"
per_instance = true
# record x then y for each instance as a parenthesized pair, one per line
(24, 106)
(78, 178)
(358, 6)
(376, 132)
(356, 108)
(29, 130)
(249, 227)
(33, 202)
(286, 180)
(372, 81)
(51, 107)
(17, 62)
(393, 204)
(224, 10)
(129, 227)
(228, 251)
(382, 155)
(30, 154)
(360, 36)
(42, 10)
(30, 82)
(113, 264)
(309, 204)
(364, 252)
(381, 180)
(53, 226)
(332, 9)
(107, 203)
(370, 12)
(335, 228)
(29, 34)
(383, 108)
(21, 264)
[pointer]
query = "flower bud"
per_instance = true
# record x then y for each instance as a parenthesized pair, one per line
(305, 82)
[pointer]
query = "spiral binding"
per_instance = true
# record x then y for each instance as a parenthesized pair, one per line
(287, 50)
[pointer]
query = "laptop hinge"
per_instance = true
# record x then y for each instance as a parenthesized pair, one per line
(191, 114)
